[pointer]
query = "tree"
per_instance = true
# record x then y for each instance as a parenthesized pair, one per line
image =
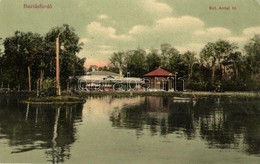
(252, 49)
(234, 61)
(208, 57)
(168, 53)
(223, 49)
(69, 61)
(189, 61)
(176, 64)
(153, 60)
(30, 55)
(117, 60)
(22, 49)
(214, 53)
(33, 48)
(135, 62)
(1, 63)
(14, 50)
(0, 47)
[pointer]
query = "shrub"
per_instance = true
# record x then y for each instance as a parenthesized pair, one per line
(48, 87)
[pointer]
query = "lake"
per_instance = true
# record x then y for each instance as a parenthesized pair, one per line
(131, 130)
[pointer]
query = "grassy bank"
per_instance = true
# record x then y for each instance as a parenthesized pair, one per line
(54, 100)
(80, 97)
(179, 94)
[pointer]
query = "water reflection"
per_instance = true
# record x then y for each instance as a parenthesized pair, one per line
(231, 124)
(31, 127)
(159, 114)
(221, 123)
(114, 127)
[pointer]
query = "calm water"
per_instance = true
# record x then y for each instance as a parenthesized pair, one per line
(131, 130)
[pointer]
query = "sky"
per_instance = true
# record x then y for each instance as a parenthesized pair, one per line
(108, 26)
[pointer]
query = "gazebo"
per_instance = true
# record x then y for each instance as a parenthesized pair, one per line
(159, 80)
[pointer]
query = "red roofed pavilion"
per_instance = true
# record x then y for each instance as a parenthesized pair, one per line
(159, 80)
(159, 72)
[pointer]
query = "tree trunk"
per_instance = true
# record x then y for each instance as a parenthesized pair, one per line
(29, 78)
(190, 73)
(213, 74)
(120, 72)
(236, 72)
(41, 79)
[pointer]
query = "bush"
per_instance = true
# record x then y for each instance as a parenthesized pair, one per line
(199, 86)
(48, 88)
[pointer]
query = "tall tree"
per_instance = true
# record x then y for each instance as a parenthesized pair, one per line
(0, 46)
(167, 53)
(223, 49)
(176, 62)
(189, 61)
(69, 48)
(208, 57)
(33, 48)
(135, 62)
(22, 49)
(214, 53)
(252, 49)
(14, 55)
(117, 60)
(153, 60)
(235, 62)
(1, 63)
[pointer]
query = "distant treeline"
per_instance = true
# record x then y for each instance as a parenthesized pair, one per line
(29, 58)
(219, 64)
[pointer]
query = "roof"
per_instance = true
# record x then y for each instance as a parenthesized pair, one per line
(158, 72)
(103, 79)
(104, 73)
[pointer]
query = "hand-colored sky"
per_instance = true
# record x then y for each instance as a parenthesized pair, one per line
(107, 26)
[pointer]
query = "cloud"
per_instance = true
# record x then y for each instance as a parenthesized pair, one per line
(251, 31)
(245, 36)
(186, 33)
(103, 16)
(170, 24)
(97, 30)
(105, 47)
(185, 23)
(158, 9)
(196, 47)
(139, 29)
(171, 30)
(211, 34)
(240, 40)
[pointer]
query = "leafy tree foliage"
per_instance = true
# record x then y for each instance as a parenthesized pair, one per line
(135, 62)
(189, 60)
(253, 55)
(153, 60)
(252, 49)
(169, 55)
(117, 60)
(214, 53)
(29, 58)
(219, 63)
(70, 64)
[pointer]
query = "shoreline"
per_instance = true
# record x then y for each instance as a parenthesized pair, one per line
(61, 100)
(83, 94)
(197, 94)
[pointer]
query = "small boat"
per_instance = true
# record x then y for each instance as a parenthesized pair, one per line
(183, 99)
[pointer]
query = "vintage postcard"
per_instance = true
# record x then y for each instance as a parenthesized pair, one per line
(129, 81)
